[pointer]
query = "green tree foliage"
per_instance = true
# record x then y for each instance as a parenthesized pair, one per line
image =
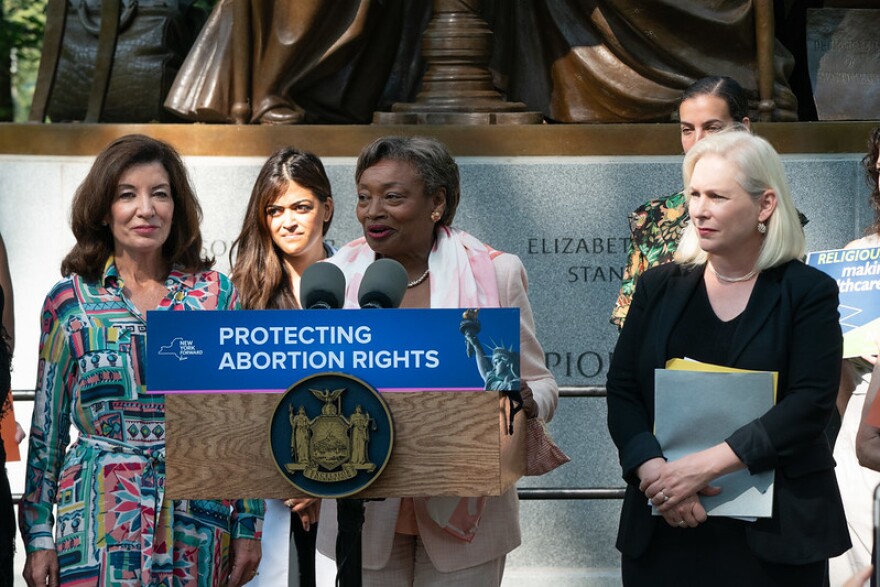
(21, 37)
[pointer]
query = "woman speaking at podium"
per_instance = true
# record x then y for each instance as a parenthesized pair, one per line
(288, 215)
(138, 248)
(408, 191)
(738, 296)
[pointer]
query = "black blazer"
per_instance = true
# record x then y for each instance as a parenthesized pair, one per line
(790, 325)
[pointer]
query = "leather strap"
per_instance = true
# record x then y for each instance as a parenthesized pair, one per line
(56, 17)
(107, 36)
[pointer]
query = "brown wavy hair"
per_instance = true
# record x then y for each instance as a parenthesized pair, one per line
(95, 195)
(872, 175)
(257, 270)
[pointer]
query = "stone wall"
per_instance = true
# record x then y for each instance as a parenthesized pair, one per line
(564, 216)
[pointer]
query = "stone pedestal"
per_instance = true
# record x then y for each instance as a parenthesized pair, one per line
(457, 86)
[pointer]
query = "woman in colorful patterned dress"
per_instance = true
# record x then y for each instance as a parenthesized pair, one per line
(138, 248)
(287, 218)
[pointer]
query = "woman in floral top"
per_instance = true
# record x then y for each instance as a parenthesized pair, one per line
(136, 223)
(707, 106)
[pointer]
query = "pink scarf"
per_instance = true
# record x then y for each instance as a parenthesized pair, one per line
(462, 276)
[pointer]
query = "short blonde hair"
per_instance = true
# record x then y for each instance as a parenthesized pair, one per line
(758, 168)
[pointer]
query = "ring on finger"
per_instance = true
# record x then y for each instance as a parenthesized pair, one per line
(682, 523)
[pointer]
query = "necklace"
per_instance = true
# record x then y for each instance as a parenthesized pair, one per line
(727, 279)
(415, 282)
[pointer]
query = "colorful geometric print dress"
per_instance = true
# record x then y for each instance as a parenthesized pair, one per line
(113, 525)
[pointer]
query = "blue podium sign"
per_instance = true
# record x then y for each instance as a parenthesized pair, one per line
(393, 350)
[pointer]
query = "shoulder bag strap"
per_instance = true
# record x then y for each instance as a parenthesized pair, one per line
(107, 36)
(53, 36)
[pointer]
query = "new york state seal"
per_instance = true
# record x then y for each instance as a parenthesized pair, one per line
(331, 435)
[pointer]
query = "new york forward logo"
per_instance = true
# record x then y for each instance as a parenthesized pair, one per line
(181, 348)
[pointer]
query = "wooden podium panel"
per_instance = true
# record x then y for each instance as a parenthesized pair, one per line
(445, 443)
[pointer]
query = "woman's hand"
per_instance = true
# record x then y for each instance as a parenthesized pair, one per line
(688, 512)
(674, 487)
(19, 433)
(308, 509)
(681, 480)
(41, 569)
(860, 578)
(530, 407)
(648, 472)
(244, 556)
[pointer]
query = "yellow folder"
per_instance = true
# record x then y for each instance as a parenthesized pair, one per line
(689, 365)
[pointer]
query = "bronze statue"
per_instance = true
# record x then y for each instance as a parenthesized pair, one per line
(310, 60)
(588, 61)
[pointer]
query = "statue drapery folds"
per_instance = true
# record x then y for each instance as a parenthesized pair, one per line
(575, 61)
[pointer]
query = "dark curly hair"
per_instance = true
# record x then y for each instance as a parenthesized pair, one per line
(872, 175)
(429, 157)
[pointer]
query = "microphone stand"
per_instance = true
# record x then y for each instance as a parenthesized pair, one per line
(349, 543)
(383, 286)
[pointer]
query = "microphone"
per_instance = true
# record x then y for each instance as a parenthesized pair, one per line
(383, 285)
(322, 287)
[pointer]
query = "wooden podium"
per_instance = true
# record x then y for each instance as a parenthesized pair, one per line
(446, 443)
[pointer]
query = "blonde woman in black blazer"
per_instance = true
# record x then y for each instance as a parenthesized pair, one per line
(737, 295)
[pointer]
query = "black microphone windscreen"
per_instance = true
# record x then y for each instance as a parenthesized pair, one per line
(383, 285)
(322, 286)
